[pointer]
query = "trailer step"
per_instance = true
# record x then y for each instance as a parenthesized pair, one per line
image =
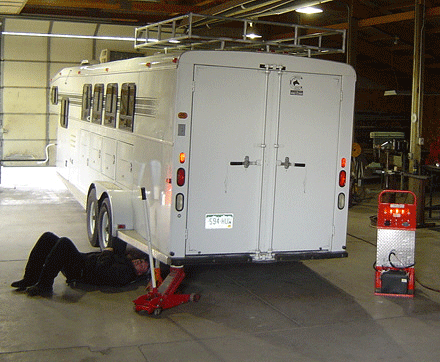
(135, 239)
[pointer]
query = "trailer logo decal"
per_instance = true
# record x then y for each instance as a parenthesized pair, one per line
(296, 88)
(219, 221)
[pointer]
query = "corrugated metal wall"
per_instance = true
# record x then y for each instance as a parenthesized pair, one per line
(28, 62)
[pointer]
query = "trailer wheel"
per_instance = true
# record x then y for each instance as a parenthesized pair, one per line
(194, 297)
(105, 236)
(157, 312)
(92, 217)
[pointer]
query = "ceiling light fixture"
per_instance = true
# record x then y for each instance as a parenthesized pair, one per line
(252, 32)
(309, 10)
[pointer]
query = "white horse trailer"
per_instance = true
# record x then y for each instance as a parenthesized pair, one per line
(242, 156)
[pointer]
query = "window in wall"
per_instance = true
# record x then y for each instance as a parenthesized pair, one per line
(54, 95)
(64, 114)
(111, 105)
(98, 102)
(127, 106)
(86, 102)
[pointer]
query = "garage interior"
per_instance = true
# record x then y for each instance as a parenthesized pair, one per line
(317, 310)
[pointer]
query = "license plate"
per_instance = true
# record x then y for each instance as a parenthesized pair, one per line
(219, 221)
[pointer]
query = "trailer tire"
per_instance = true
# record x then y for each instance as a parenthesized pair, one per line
(105, 237)
(92, 211)
(104, 227)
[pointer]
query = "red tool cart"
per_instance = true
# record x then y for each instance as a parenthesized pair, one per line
(396, 228)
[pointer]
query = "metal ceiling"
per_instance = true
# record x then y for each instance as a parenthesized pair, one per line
(384, 29)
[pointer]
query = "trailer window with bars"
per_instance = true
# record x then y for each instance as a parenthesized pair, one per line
(98, 102)
(111, 105)
(86, 102)
(127, 106)
(54, 95)
(64, 114)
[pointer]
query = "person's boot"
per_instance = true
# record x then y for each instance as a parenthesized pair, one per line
(40, 289)
(22, 284)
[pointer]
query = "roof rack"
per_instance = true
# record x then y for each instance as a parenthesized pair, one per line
(196, 31)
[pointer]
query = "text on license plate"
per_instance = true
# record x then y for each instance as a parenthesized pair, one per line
(219, 221)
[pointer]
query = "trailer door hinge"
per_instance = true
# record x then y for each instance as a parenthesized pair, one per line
(273, 67)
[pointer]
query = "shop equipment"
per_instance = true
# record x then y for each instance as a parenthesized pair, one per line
(396, 225)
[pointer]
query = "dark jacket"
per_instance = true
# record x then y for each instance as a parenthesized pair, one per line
(107, 268)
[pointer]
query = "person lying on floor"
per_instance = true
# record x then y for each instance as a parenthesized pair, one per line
(52, 254)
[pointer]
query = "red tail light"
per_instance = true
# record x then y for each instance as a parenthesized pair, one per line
(343, 162)
(342, 178)
(180, 177)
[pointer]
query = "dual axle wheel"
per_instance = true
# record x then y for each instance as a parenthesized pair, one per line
(99, 221)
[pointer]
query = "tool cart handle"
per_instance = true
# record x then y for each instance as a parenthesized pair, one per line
(397, 192)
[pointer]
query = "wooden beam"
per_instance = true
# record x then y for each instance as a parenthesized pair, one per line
(225, 6)
(104, 5)
(85, 4)
(387, 19)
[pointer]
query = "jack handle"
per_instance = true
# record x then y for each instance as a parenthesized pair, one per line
(150, 245)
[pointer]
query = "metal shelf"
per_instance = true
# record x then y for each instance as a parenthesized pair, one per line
(196, 31)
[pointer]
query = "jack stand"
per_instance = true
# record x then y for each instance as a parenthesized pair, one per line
(163, 297)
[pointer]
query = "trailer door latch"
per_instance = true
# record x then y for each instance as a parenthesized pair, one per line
(286, 163)
(246, 163)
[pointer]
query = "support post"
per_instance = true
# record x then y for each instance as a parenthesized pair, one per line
(2, 22)
(415, 152)
(417, 90)
(352, 35)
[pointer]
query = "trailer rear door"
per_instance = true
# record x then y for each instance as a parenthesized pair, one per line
(223, 200)
(308, 136)
(263, 161)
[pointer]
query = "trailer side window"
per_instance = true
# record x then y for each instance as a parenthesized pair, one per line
(111, 105)
(86, 102)
(64, 114)
(126, 112)
(54, 95)
(98, 102)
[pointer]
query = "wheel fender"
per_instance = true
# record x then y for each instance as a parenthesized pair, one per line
(120, 203)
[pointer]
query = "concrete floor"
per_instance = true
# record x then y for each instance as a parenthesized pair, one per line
(320, 310)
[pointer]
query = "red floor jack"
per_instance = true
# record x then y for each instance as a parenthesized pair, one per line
(162, 297)
(396, 226)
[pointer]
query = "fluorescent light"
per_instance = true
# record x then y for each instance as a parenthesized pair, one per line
(309, 10)
(390, 93)
(71, 36)
(394, 92)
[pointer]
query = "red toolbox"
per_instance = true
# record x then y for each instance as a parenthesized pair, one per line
(396, 227)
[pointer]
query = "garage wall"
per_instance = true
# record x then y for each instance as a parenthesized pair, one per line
(27, 65)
